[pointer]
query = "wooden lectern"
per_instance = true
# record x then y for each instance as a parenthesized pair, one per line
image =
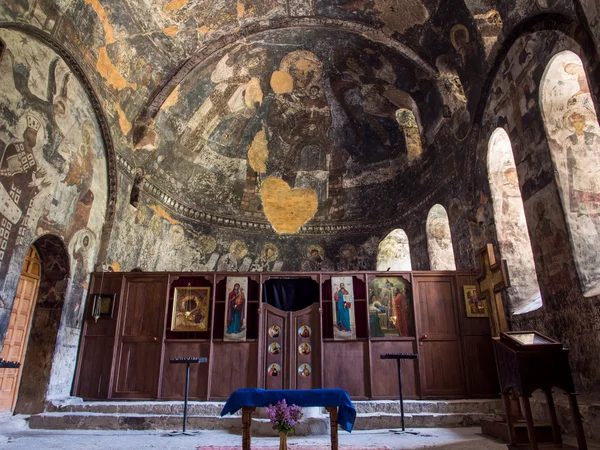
(528, 361)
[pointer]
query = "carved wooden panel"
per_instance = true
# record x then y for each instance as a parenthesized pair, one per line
(276, 340)
(305, 348)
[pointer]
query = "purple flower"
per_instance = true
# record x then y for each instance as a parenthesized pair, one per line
(284, 417)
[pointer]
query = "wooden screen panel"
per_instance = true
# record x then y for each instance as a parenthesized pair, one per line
(305, 369)
(480, 365)
(94, 374)
(346, 366)
(234, 366)
(92, 378)
(440, 356)
(275, 317)
(142, 330)
(384, 372)
(173, 375)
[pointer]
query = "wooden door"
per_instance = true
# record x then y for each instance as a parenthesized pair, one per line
(440, 355)
(140, 337)
(276, 340)
(305, 348)
(17, 334)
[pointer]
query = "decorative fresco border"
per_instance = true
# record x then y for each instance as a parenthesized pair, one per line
(196, 215)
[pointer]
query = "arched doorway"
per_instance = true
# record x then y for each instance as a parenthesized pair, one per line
(33, 327)
(17, 334)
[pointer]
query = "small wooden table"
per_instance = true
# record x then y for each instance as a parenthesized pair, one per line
(247, 426)
(336, 401)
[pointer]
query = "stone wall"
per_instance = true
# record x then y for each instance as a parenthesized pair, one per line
(514, 104)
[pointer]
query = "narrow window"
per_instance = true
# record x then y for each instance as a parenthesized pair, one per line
(408, 122)
(394, 252)
(574, 139)
(439, 240)
(511, 226)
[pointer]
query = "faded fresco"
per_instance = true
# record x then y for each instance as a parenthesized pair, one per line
(439, 240)
(286, 132)
(52, 172)
(53, 175)
(511, 226)
(394, 252)
(152, 239)
(518, 102)
(572, 126)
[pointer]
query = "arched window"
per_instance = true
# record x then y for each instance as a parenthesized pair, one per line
(394, 252)
(511, 226)
(574, 138)
(408, 122)
(439, 240)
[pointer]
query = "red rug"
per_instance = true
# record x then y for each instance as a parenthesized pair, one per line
(291, 447)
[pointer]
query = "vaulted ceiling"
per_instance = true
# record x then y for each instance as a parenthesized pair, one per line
(280, 110)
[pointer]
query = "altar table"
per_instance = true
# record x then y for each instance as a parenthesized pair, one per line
(336, 401)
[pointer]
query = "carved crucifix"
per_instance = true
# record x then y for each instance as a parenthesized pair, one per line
(491, 281)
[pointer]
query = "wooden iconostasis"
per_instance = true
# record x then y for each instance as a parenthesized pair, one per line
(328, 337)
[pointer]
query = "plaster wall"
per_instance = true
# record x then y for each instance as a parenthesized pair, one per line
(53, 178)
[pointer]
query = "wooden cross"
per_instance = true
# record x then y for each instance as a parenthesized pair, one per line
(491, 281)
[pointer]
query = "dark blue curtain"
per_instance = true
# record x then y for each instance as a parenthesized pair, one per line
(290, 294)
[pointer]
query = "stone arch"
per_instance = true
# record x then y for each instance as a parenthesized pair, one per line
(511, 225)
(394, 252)
(39, 359)
(573, 133)
(439, 239)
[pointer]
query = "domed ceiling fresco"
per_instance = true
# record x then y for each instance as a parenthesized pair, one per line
(287, 113)
(271, 128)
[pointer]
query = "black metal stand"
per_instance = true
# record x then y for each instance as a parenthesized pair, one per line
(4, 364)
(398, 357)
(187, 361)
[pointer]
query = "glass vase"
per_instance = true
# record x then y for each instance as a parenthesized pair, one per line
(283, 440)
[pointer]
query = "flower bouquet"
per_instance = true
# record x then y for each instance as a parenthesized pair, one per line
(284, 419)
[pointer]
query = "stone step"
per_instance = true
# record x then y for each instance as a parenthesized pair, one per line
(261, 426)
(214, 408)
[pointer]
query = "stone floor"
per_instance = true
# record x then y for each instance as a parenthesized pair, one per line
(16, 435)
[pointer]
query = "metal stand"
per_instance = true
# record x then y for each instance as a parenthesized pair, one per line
(398, 357)
(187, 361)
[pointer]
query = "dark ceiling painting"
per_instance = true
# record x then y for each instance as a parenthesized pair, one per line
(269, 124)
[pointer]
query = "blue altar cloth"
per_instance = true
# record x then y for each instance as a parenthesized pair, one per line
(300, 397)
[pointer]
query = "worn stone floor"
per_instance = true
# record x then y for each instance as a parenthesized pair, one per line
(15, 435)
